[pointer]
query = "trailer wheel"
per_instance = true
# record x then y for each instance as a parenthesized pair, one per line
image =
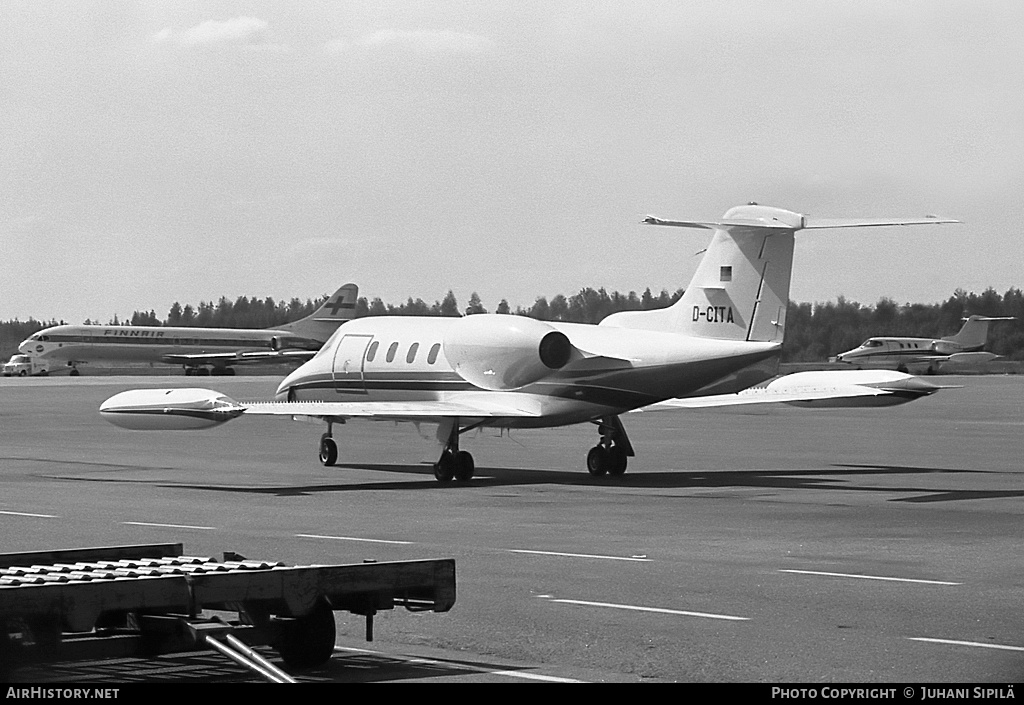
(308, 641)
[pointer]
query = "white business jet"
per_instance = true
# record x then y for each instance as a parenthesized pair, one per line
(199, 351)
(504, 371)
(931, 353)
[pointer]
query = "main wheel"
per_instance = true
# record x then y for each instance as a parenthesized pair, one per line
(74, 372)
(23, 373)
(464, 466)
(617, 460)
(444, 468)
(308, 641)
(597, 461)
(328, 450)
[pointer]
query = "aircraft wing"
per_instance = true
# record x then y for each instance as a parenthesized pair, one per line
(190, 408)
(254, 357)
(823, 389)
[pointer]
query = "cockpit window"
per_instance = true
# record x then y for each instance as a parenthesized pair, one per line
(872, 343)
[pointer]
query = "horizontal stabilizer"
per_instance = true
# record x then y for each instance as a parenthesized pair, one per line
(822, 223)
(804, 223)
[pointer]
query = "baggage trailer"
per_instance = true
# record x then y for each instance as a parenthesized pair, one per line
(148, 600)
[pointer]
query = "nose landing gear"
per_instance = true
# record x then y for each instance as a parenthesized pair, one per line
(328, 447)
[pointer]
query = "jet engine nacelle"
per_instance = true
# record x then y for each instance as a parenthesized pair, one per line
(502, 352)
(945, 347)
(169, 409)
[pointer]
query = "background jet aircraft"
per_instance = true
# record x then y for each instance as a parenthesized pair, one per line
(490, 370)
(927, 353)
(200, 351)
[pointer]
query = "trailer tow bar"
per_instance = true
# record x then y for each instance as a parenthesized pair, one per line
(236, 650)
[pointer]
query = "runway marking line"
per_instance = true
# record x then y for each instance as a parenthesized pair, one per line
(27, 514)
(869, 577)
(465, 667)
(170, 526)
(352, 538)
(658, 610)
(580, 555)
(967, 643)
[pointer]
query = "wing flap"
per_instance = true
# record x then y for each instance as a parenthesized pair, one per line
(394, 409)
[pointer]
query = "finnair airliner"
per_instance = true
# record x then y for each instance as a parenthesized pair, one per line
(200, 351)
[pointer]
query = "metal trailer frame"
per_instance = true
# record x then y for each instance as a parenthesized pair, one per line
(147, 600)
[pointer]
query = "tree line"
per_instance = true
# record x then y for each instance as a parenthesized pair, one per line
(814, 332)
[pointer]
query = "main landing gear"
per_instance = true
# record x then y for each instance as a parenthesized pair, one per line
(453, 463)
(608, 457)
(612, 452)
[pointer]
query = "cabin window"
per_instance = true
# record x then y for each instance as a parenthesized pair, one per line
(432, 356)
(391, 352)
(412, 352)
(726, 274)
(372, 352)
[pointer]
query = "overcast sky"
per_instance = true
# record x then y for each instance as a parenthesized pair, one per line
(153, 152)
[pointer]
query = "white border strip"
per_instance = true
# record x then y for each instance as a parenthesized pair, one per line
(967, 643)
(26, 514)
(352, 538)
(659, 610)
(169, 526)
(869, 577)
(579, 555)
(458, 665)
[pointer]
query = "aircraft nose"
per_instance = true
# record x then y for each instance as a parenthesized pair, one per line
(284, 390)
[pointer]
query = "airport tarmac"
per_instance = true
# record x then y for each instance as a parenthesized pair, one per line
(771, 545)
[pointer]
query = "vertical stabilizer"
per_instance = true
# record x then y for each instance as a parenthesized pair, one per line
(325, 320)
(974, 333)
(740, 290)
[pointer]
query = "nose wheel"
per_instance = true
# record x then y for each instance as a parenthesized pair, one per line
(328, 447)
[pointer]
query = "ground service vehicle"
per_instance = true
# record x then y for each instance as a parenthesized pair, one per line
(24, 365)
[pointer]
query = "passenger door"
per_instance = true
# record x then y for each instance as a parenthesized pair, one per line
(348, 364)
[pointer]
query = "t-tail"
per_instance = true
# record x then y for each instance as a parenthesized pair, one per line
(740, 290)
(974, 333)
(325, 320)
